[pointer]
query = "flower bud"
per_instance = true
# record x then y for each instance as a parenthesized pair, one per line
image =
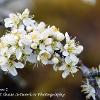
(48, 41)
(29, 28)
(34, 45)
(60, 36)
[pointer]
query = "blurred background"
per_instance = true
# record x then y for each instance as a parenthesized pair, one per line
(81, 18)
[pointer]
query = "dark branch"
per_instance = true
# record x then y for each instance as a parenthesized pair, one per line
(91, 76)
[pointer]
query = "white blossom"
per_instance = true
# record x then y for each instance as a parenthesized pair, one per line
(67, 69)
(35, 35)
(89, 90)
(44, 56)
(41, 26)
(30, 41)
(9, 39)
(13, 21)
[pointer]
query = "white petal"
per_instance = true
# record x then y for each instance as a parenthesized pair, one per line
(41, 26)
(19, 65)
(18, 53)
(65, 74)
(25, 40)
(74, 69)
(58, 45)
(9, 39)
(62, 68)
(66, 46)
(4, 67)
(21, 29)
(44, 36)
(48, 41)
(3, 50)
(20, 43)
(67, 37)
(50, 62)
(55, 68)
(55, 60)
(27, 50)
(38, 57)
(29, 28)
(12, 70)
(74, 59)
(34, 45)
(42, 46)
(3, 60)
(32, 58)
(49, 49)
(10, 51)
(65, 53)
(68, 60)
(45, 62)
(28, 22)
(8, 22)
(25, 14)
(79, 49)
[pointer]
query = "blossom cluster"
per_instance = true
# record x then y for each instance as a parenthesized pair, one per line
(29, 41)
(88, 88)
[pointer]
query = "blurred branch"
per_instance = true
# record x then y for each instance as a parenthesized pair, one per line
(91, 76)
(1, 23)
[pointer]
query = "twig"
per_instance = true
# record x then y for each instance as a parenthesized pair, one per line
(91, 76)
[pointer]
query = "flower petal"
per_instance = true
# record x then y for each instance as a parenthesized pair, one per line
(62, 68)
(42, 47)
(4, 67)
(65, 53)
(18, 53)
(55, 68)
(32, 58)
(19, 65)
(12, 70)
(67, 60)
(27, 50)
(65, 74)
(74, 59)
(74, 69)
